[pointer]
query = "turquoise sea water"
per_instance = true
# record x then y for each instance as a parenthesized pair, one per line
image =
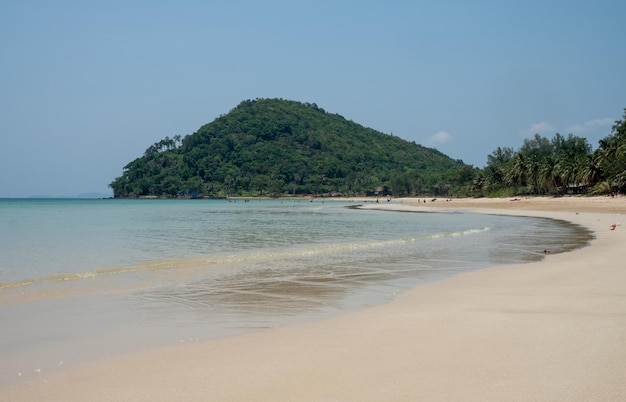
(85, 279)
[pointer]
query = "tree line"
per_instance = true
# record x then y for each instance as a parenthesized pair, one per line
(557, 166)
(276, 147)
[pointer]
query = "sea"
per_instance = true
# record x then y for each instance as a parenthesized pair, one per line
(87, 279)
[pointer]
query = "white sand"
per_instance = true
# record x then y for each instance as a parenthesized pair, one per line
(548, 331)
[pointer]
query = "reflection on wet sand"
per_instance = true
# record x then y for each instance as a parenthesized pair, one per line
(272, 292)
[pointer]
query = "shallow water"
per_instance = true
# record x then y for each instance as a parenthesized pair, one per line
(85, 279)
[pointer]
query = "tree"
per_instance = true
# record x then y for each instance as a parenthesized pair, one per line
(498, 170)
(549, 175)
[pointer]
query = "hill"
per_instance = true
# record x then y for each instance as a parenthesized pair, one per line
(276, 147)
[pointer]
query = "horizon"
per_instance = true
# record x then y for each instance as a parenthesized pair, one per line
(81, 196)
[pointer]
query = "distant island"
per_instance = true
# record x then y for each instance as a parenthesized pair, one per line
(277, 147)
(274, 147)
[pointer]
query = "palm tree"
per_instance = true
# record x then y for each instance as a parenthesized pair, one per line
(517, 173)
(591, 170)
(549, 174)
(532, 167)
(567, 171)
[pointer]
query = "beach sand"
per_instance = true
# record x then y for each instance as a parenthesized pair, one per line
(548, 331)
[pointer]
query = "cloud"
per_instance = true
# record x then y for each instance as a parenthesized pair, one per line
(440, 138)
(591, 125)
(541, 128)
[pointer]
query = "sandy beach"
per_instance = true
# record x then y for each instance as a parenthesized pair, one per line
(548, 331)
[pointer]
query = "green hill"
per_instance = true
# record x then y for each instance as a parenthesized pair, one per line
(277, 147)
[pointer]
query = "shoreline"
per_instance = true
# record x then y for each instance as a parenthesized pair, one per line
(551, 330)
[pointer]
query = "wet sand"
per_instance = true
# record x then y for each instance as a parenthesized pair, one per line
(553, 330)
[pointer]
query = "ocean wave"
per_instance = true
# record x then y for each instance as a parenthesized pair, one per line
(234, 259)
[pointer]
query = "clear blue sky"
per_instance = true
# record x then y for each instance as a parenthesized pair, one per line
(87, 86)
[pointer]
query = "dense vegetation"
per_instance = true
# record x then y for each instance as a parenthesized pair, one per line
(273, 147)
(557, 166)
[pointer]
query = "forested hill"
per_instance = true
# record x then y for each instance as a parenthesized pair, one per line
(275, 147)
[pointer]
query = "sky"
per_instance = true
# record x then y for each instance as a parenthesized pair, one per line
(86, 87)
